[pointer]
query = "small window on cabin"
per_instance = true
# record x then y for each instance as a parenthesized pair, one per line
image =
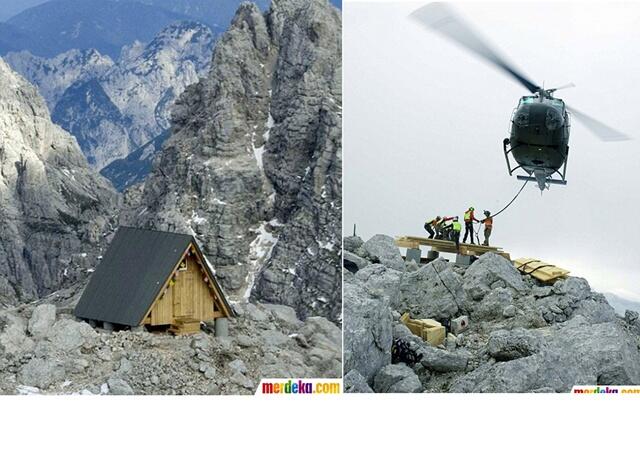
(183, 266)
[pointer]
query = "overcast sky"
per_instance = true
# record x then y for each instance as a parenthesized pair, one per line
(424, 122)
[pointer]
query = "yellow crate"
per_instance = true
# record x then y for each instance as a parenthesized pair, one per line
(429, 330)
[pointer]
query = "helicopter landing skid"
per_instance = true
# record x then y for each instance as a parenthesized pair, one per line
(560, 182)
(535, 175)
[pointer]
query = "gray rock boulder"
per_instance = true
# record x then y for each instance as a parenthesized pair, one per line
(13, 336)
(490, 271)
(595, 309)
(492, 306)
(352, 243)
(284, 314)
(238, 365)
(367, 332)
(41, 373)
(354, 382)
(382, 249)
(433, 291)
(442, 361)
(576, 288)
(379, 281)
(509, 345)
(575, 353)
(68, 335)
(352, 262)
(42, 319)
(118, 386)
(397, 378)
(274, 338)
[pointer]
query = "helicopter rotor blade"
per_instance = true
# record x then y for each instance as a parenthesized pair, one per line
(561, 87)
(601, 130)
(443, 19)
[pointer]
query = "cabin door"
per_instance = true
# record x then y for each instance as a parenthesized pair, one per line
(183, 301)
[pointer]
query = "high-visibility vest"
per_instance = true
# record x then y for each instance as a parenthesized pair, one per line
(457, 226)
(467, 215)
(488, 222)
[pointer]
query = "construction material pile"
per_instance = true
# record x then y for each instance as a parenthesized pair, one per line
(521, 334)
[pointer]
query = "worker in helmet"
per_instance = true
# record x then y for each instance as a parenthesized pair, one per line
(469, 218)
(430, 226)
(488, 226)
(446, 228)
(455, 233)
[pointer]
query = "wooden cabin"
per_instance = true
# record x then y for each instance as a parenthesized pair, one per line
(154, 278)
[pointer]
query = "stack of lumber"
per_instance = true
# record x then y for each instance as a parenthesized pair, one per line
(545, 272)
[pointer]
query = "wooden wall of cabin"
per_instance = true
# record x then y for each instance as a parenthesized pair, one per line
(189, 297)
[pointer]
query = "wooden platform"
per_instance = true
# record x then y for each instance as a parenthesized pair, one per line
(439, 245)
(540, 270)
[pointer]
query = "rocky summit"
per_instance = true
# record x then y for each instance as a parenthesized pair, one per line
(522, 335)
(43, 349)
(55, 211)
(253, 165)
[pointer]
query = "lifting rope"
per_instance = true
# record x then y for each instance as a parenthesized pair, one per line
(512, 200)
(501, 210)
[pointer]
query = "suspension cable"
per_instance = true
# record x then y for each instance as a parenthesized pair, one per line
(513, 199)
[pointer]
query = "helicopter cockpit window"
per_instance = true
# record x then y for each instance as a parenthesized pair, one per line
(522, 118)
(553, 120)
(558, 103)
(527, 100)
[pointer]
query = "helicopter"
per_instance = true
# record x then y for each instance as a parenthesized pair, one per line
(540, 124)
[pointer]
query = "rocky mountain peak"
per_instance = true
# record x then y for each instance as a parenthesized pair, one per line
(261, 130)
(519, 335)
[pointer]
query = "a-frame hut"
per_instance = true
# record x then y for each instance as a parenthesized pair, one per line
(154, 278)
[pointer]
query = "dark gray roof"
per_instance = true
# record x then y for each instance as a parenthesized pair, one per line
(131, 274)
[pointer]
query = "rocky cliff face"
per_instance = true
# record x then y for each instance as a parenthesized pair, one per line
(523, 336)
(55, 210)
(253, 166)
(115, 108)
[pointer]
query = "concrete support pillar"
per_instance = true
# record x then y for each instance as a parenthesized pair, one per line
(414, 255)
(222, 327)
(431, 255)
(464, 260)
(107, 326)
